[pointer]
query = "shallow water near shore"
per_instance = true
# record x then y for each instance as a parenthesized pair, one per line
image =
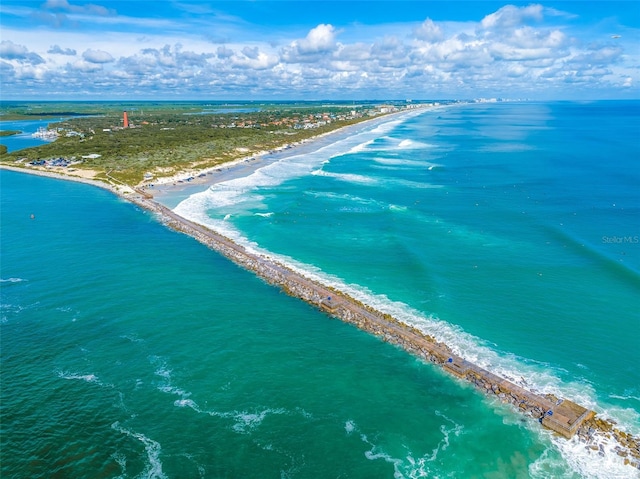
(137, 352)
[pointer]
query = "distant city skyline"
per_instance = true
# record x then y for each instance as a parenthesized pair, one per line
(314, 50)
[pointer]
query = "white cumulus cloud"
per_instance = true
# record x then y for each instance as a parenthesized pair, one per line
(428, 31)
(320, 41)
(321, 38)
(12, 51)
(511, 16)
(97, 56)
(57, 50)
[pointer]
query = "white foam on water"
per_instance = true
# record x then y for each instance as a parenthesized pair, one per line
(588, 463)
(348, 198)
(243, 190)
(410, 466)
(349, 426)
(12, 280)
(397, 208)
(166, 386)
(187, 403)
(347, 177)
(389, 145)
(376, 453)
(507, 147)
(413, 145)
(11, 309)
(361, 147)
(152, 449)
(121, 460)
(454, 428)
(243, 421)
(405, 162)
(248, 421)
(305, 414)
(625, 398)
(163, 372)
(410, 184)
(89, 378)
(390, 125)
(132, 337)
(264, 215)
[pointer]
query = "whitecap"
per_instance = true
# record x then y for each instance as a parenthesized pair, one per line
(12, 280)
(405, 162)
(411, 184)
(349, 426)
(413, 145)
(589, 464)
(347, 177)
(247, 421)
(625, 398)
(89, 378)
(244, 189)
(361, 147)
(376, 453)
(397, 208)
(132, 337)
(187, 403)
(455, 429)
(152, 448)
(121, 460)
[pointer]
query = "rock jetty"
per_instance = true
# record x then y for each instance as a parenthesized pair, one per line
(560, 415)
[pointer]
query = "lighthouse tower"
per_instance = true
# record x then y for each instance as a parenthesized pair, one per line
(125, 120)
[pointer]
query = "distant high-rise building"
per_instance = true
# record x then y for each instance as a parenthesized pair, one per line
(125, 120)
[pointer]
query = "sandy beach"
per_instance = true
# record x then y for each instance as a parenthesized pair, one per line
(79, 176)
(190, 181)
(170, 189)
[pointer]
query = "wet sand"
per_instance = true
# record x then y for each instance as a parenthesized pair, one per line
(171, 191)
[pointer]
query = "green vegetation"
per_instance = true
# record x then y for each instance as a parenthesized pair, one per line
(169, 137)
(9, 132)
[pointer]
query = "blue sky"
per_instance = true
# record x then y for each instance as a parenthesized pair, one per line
(314, 49)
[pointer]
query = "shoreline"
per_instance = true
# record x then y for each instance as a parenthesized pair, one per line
(244, 166)
(203, 178)
(590, 430)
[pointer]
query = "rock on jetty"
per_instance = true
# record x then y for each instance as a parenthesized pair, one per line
(562, 416)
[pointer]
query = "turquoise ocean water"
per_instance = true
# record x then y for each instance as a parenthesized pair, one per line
(510, 231)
